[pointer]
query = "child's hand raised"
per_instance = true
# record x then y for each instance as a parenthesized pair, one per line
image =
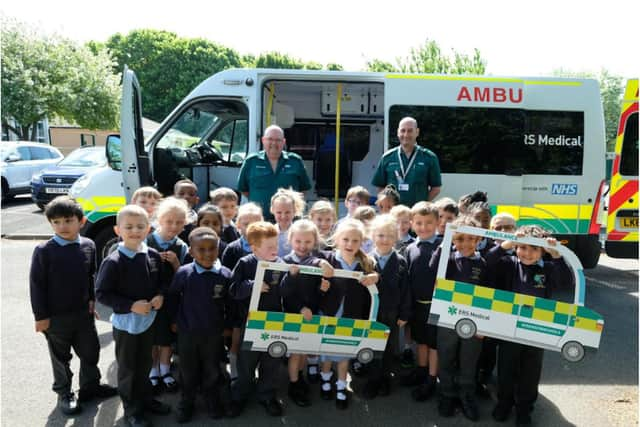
(306, 313)
(327, 269)
(142, 307)
(369, 279)
(294, 270)
(325, 285)
(553, 242)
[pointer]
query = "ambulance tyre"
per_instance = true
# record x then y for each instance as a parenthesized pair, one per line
(588, 250)
(573, 351)
(466, 328)
(277, 349)
(365, 356)
(106, 241)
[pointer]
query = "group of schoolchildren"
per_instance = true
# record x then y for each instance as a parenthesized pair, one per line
(181, 280)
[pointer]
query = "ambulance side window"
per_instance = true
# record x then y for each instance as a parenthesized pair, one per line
(231, 141)
(629, 152)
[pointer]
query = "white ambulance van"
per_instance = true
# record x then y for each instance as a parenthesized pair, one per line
(536, 145)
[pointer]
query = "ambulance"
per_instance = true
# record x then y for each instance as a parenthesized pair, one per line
(622, 215)
(479, 310)
(280, 333)
(536, 145)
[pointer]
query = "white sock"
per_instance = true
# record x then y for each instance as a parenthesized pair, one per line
(164, 370)
(154, 373)
(326, 377)
(341, 386)
(233, 365)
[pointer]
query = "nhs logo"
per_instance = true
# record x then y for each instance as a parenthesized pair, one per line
(564, 189)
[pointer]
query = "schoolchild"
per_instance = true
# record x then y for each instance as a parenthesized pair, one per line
(198, 295)
(481, 212)
(387, 199)
(323, 216)
(227, 201)
(129, 281)
(187, 190)
(286, 205)
(211, 216)
(147, 198)
(468, 199)
(402, 215)
(346, 298)
(421, 279)
(365, 214)
(248, 214)
(458, 358)
(506, 223)
(356, 196)
(171, 218)
(301, 294)
(263, 238)
(447, 212)
(395, 307)
(526, 272)
(61, 282)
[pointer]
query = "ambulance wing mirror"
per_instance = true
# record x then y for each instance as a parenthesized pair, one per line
(569, 257)
(114, 152)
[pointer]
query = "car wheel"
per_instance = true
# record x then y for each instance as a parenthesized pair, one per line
(277, 349)
(5, 191)
(573, 351)
(466, 328)
(365, 356)
(106, 242)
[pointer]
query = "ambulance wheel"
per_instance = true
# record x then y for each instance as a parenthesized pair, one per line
(365, 356)
(573, 351)
(465, 328)
(277, 349)
(106, 242)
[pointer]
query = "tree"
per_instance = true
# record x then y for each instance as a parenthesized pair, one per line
(167, 66)
(278, 60)
(44, 76)
(332, 66)
(429, 58)
(611, 89)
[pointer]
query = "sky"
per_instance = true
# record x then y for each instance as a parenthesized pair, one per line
(515, 38)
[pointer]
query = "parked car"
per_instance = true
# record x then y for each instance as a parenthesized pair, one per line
(56, 180)
(19, 160)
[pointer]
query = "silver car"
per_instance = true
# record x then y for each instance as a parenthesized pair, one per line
(19, 160)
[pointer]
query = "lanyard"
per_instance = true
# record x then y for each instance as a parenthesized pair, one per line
(411, 159)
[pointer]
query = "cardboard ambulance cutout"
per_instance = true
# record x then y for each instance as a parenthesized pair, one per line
(509, 316)
(281, 333)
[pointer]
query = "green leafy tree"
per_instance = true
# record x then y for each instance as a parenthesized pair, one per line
(311, 65)
(332, 66)
(278, 60)
(46, 76)
(167, 66)
(429, 58)
(611, 90)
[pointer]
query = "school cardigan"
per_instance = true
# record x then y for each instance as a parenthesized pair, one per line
(471, 270)
(122, 280)
(198, 298)
(233, 252)
(393, 289)
(421, 278)
(355, 297)
(61, 278)
(301, 290)
(242, 283)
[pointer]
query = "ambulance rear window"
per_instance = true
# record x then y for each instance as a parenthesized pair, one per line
(499, 141)
(629, 154)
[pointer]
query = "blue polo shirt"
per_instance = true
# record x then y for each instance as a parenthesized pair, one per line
(261, 182)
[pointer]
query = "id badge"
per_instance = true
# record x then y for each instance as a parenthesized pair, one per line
(403, 187)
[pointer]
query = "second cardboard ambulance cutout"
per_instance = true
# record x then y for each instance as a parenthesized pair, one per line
(280, 333)
(478, 310)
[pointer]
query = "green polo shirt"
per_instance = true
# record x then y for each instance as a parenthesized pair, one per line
(423, 174)
(257, 177)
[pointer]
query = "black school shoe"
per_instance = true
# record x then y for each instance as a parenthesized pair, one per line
(272, 406)
(342, 403)
(298, 393)
(313, 378)
(416, 377)
(156, 407)
(424, 391)
(68, 404)
(326, 394)
(100, 391)
(469, 407)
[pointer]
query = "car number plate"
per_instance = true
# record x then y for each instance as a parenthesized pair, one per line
(56, 190)
(629, 222)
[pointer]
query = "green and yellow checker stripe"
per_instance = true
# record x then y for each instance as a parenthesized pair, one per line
(97, 207)
(329, 326)
(526, 306)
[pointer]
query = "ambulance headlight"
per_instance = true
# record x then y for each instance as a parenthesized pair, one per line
(79, 186)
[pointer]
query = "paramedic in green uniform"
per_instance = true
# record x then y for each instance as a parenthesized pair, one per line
(414, 170)
(262, 173)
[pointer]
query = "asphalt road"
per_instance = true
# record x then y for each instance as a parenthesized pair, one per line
(601, 390)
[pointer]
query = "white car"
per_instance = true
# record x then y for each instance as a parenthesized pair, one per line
(19, 160)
